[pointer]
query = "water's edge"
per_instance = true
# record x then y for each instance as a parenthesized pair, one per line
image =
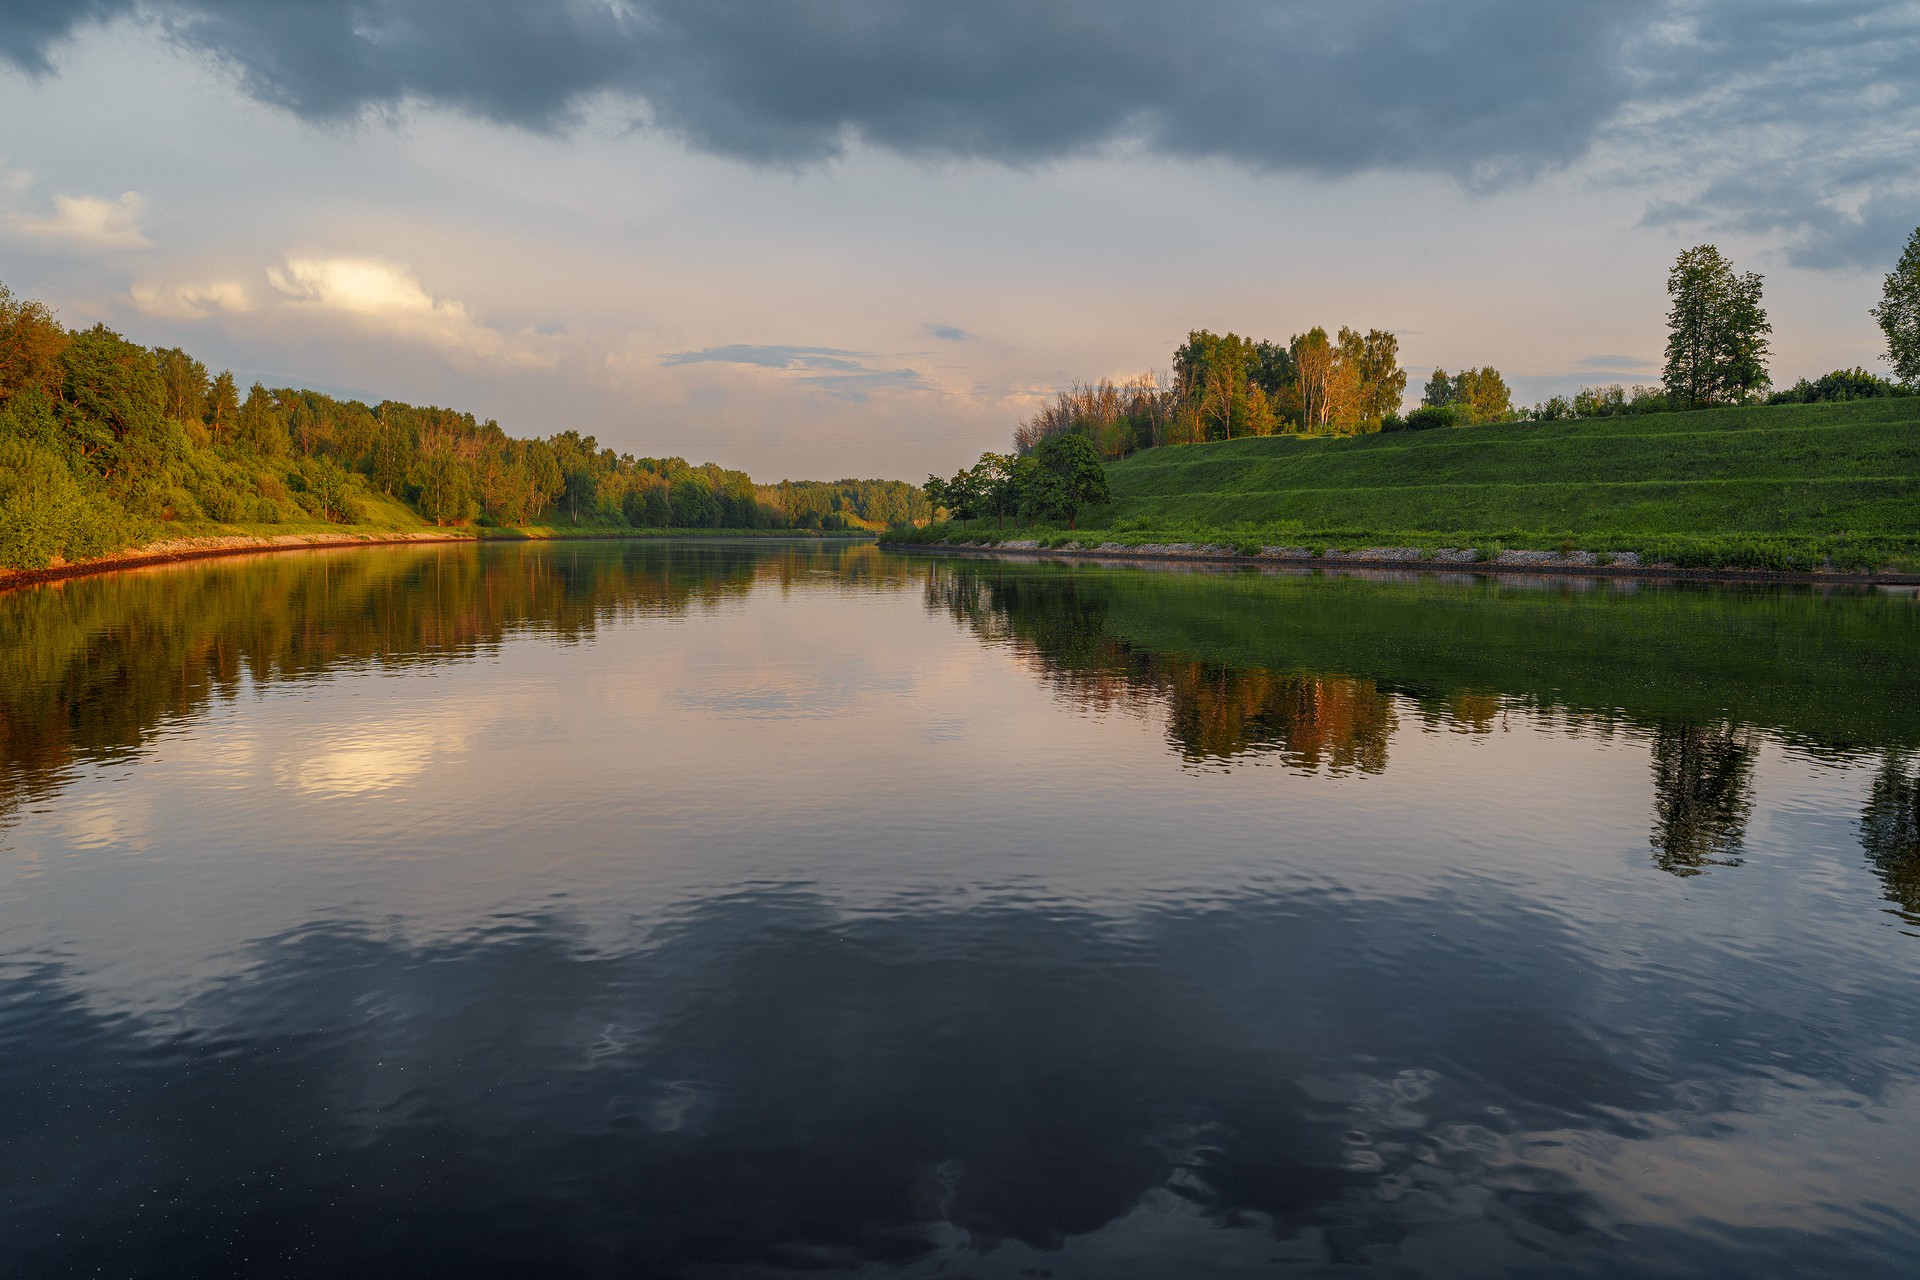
(216, 546)
(1344, 564)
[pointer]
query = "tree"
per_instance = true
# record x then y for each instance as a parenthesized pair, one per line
(1473, 395)
(1382, 382)
(1211, 377)
(183, 384)
(1481, 395)
(31, 341)
(1899, 312)
(694, 504)
(993, 484)
(1716, 332)
(1313, 366)
(1067, 476)
(223, 406)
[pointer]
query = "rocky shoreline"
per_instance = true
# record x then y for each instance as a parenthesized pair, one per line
(1624, 564)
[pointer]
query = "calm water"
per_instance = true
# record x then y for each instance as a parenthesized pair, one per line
(733, 911)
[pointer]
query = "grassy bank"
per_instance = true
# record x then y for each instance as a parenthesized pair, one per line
(1787, 487)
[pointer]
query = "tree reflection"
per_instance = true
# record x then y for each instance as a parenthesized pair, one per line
(90, 668)
(1702, 795)
(1215, 713)
(1890, 832)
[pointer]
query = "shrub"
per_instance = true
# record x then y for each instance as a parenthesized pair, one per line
(1431, 417)
(45, 512)
(1839, 386)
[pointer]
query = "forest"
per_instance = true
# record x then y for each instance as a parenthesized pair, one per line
(106, 444)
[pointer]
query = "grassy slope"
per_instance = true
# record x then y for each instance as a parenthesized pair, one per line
(1782, 486)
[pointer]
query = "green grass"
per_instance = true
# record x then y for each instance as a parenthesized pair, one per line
(1779, 487)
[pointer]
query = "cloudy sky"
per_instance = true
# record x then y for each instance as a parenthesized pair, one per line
(832, 237)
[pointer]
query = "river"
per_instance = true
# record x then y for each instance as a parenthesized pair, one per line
(731, 909)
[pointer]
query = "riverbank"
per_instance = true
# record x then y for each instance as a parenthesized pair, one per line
(212, 546)
(1417, 559)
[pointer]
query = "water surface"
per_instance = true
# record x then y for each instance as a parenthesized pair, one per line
(722, 910)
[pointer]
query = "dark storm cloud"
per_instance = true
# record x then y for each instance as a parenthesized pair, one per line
(1475, 87)
(1807, 103)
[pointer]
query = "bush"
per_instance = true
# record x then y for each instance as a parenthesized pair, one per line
(1839, 386)
(45, 512)
(1428, 418)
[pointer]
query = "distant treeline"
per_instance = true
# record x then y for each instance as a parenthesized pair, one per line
(105, 443)
(1226, 388)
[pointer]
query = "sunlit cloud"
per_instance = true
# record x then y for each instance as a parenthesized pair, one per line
(387, 298)
(89, 223)
(192, 301)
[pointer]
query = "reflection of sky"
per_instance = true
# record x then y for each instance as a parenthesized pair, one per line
(814, 907)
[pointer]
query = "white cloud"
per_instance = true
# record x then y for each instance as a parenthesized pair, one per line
(192, 301)
(388, 298)
(90, 223)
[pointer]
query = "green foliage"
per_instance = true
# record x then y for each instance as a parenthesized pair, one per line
(1717, 332)
(1474, 395)
(148, 442)
(1428, 417)
(1839, 386)
(46, 512)
(1792, 486)
(828, 504)
(1898, 314)
(1066, 476)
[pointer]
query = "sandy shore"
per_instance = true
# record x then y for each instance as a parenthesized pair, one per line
(1403, 559)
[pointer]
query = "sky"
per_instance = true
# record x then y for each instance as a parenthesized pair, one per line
(826, 238)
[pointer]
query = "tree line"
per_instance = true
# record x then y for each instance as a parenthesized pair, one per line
(1231, 387)
(104, 442)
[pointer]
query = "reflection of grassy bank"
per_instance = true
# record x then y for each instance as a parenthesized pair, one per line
(1789, 487)
(218, 540)
(1830, 670)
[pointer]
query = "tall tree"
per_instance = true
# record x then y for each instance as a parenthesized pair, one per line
(183, 384)
(1382, 382)
(1716, 331)
(1899, 312)
(223, 405)
(1438, 393)
(1313, 365)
